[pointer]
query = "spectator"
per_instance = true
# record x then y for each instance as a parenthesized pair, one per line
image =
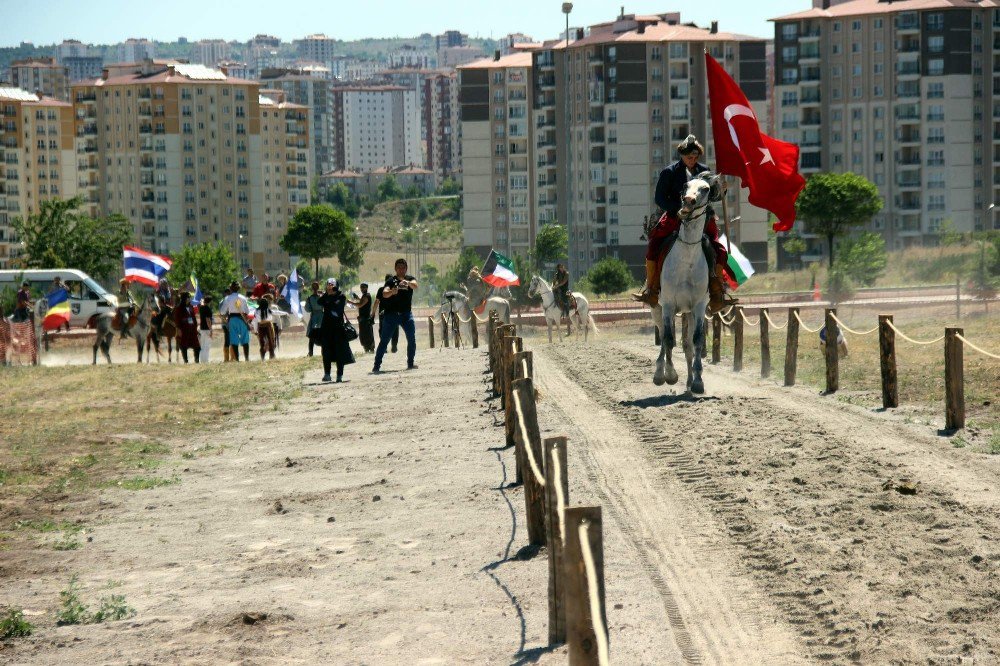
(398, 297)
(315, 311)
(364, 305)
(57, 284)
(224, 323)
(336, 347)
(236, 310)
(263, 287)
(249, 281)
(206, 319)
(187, 328)
(263, 324)
(22, 308)
(380, 307)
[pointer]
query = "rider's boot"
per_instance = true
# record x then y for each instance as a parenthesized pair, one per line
(651, 292)
(718, 299)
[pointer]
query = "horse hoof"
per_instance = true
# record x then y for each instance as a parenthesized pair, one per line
(659, 380)
(698, 387)
(672, 377)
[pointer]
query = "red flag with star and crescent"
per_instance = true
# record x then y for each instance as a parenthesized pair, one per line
(769, 167)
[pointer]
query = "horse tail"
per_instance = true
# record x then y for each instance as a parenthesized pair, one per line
(592, 323)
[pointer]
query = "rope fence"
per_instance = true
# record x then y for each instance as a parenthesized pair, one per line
(771, 322)
(803, 325)
(975, 348)
(911, 340)
(844, 327)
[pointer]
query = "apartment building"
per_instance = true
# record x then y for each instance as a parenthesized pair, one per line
(456, 56)
(317, 48)
(210, 52)
(41, 75)
(906, 94)
(315, 92)
(36, 159)
(411, 56)
(604, 114)
(135, 50)
(442, 126)
(71, 48)
(450, 38)
(497, 153)
(376, 126)
(190, 155)
(88, 67)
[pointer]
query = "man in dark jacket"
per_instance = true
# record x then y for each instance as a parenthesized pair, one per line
(669, 189)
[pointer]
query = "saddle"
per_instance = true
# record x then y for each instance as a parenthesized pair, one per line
(116, 321)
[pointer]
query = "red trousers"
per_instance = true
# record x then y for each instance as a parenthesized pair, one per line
(668, 224)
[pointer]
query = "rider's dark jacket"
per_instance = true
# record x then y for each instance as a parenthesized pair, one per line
(671, 185)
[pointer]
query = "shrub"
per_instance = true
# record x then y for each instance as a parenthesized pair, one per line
(13, 625)
(609, 276)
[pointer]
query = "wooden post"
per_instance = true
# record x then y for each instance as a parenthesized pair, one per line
(498, 336)
(954, 380)
(887, 362)
(475, 331)
(738, 339)
(456, 326)
(512, 345)
(444, 330)
(582, 640)
(430, 330)
(832, 352)
(765, 344)
(519, 359)
(716, 338)
(534, 509)
(555, 449)
(792, 347)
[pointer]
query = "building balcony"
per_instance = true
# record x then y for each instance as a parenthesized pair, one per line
(907, 136)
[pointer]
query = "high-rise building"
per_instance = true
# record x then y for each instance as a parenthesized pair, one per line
(451, 38)
(441, 122)
(317, 48)
(41, 75)
(496, 112)
(376, 126)
(262, 53)
(134, 50)
(603, 118)
(210, 51)
(411, 56)
(36, 159)
(190, 155)
(906, 94)
(456, 56)
(316, 94)
(71, 48)
(88, 67)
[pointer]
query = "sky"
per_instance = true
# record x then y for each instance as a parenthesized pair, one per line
(111, 21)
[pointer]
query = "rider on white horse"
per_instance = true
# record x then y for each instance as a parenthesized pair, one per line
(564, 297)
(669, 188)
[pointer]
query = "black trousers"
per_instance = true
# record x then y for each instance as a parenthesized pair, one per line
(329, 356)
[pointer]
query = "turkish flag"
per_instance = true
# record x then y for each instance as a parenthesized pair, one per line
(770, 168)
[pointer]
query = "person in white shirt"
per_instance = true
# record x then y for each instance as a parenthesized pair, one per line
(235, 310)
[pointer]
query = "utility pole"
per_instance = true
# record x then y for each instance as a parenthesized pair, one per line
(567, 7)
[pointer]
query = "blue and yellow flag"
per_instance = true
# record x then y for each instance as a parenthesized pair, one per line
(58, 312)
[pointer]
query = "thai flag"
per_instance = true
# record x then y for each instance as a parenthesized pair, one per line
(144, 267)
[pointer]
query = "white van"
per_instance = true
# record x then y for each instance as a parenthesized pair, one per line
(87, 298)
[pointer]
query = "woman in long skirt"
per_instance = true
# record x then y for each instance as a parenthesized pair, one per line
(336, 347)
(264, 324)
(187, 328)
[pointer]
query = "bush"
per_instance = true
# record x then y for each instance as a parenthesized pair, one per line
(863, 258)
(838, 285)
(13, 625)
(609, 276)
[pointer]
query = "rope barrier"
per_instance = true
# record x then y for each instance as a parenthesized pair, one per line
(539, 477)
(464, 321)
(595, 600)
(981, 351)
(803, 324)
(751, 323)
(909, 339)
(560, 499)
(481, 321)
(852, 331)
(727, 322)
(771, 322)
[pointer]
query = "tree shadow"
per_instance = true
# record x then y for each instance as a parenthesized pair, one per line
(666, 400)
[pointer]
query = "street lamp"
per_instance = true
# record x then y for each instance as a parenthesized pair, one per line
(567, 7)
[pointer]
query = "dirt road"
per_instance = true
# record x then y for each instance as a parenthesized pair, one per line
(372, 523)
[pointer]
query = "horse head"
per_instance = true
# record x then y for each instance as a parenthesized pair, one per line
(698, 194)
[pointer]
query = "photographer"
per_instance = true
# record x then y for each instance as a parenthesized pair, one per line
(397, 294)
(364, 305)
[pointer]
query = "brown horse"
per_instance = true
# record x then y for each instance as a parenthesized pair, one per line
(166, 329)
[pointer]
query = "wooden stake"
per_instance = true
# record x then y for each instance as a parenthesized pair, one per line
(738, 339)
(765, 345)
(445, 324)
(555, 446)
(792, 347)
(430, 330)
(519, 359)
(954, 380)
(475, 331)
(887, 362)
(579, 626)
(456, 327)
(832, 352)
(716, 338)
(534, 509)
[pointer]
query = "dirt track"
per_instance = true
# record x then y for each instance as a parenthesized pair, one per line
(748, 527)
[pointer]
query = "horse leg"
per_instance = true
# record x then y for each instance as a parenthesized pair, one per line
(106, 346)
(548, 325)
(139, 346)
(665, 372)
(697, 384)
(97, 343)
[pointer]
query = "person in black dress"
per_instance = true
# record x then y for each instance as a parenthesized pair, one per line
(336, 347)
(366, 335)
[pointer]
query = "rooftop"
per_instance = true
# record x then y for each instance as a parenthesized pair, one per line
(863, 7)
(18, 95)
(519, 59)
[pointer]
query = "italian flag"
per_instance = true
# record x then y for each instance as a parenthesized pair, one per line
(738, 268)
(499, 271)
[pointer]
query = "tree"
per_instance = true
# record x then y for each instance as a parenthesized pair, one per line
(609, 276)
(948, 234)
(460, 269)
(429, 273)
(212, 263)
(795, 247)
(408, 213)
(551, 245)
(449, 187)
(863, 258)
(984, 283)
(318, 232)
(58, 236)
(519, 294)
(832, 203)
(337, 195)
(838, 285)
(389, 189)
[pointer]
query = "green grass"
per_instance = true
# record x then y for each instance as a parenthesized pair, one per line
(72, 609)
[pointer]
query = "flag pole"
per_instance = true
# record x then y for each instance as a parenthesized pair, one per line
(725, 219)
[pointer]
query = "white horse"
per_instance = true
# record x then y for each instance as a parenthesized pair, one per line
(553, 312)
(457, 302)
(684, 286)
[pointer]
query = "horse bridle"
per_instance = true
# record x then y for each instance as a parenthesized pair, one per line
(691, 218)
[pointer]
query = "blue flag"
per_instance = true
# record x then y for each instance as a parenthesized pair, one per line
(291, 293)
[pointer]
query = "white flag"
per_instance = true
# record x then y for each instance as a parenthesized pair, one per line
(291, 293)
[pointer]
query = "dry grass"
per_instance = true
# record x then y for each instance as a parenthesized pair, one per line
(67, 430)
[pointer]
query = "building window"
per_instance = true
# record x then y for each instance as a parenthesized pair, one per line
(935, 90)
(935, 67)
(935, 44)
(789, 30)
(935, 21)
(790, 54)
(855, 25)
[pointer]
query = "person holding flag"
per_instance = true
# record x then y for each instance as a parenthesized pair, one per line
(289, 294)
(58, 312)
